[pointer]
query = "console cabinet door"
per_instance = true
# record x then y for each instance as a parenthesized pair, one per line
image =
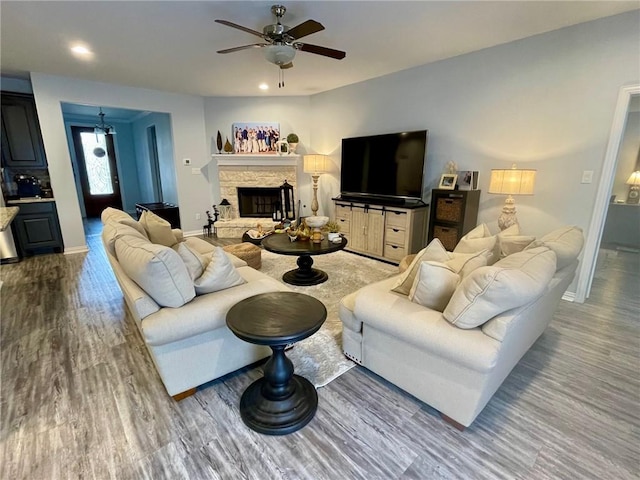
(375, 232)
(22, 145)
(358, 236)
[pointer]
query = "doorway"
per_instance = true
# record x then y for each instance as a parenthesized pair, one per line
(97, 169)
(596, 227)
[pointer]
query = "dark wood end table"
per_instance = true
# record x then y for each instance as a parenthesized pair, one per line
(305, 274)
(280, 402)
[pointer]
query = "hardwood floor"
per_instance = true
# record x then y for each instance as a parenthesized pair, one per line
(80, 398)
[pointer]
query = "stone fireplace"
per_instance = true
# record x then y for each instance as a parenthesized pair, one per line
(253, 174)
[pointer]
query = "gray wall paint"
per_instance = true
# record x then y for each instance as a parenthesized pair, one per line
(545, 102)
(292, 113)
(162, 122)
(187, 132)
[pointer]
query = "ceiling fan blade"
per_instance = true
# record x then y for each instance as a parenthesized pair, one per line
(244, 47)
(318, 50)
(240, 27)
(304, 29)
(286, 65)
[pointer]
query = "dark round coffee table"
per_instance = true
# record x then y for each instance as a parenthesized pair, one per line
(304, 275)
(280, 402)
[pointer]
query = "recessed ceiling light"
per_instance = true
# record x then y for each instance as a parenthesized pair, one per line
(263, 86)
(81, 51)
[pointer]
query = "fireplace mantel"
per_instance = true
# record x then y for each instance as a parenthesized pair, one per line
(255, 160)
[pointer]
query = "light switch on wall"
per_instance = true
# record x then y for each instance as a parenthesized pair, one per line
(186, 162)
(587, 176)
(195, 171)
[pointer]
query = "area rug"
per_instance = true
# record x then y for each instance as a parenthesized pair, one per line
(319, 358)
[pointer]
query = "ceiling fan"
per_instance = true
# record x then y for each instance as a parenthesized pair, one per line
(282, 41)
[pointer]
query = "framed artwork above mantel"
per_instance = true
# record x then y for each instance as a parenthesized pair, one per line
(256, 138)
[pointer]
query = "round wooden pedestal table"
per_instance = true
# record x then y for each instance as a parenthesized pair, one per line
(280, 402)
(305, 274)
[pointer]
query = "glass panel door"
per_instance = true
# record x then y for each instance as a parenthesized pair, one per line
(97, 170)
(97, 163)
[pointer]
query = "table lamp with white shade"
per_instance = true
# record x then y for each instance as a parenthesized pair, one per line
(511, 182)
(315, 165)
(634, 187)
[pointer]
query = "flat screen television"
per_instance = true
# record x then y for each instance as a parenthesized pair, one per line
(386, 167)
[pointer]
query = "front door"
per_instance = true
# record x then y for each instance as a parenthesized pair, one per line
(97, 170)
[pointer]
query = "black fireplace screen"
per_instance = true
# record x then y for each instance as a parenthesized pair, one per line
(274, 202)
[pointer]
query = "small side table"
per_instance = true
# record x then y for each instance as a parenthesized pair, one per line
(280, 402)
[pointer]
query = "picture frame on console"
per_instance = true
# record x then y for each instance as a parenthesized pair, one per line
(467, 180)
(448, 181)
(256, 138)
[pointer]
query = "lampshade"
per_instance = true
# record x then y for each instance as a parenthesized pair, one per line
(634, 178)
(512, 182)
(279, 54)
(316, 163)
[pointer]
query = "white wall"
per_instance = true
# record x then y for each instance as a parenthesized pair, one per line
(545, 102)
(293, 115)
(188, 133)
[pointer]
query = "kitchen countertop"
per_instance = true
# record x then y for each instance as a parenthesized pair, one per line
(7, 214)
(30, 200)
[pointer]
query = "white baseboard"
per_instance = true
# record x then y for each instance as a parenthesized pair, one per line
(569, 296)
(73, 250)
(192, 233)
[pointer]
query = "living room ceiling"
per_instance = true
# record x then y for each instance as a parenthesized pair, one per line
(171, 45)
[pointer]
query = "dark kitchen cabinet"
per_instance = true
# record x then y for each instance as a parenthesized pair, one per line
(453, 214)
(37, 229)
(22, 145)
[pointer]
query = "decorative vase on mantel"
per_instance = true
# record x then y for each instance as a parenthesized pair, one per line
(219, 142)
(228, 148)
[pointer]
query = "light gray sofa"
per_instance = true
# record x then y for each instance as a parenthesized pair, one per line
(441, 357)
(190, 344)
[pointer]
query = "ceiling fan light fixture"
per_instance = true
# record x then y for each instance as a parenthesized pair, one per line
(279, 54)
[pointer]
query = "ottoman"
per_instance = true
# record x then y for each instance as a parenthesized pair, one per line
(246, 251)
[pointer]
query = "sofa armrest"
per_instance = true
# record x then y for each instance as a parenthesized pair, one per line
(427, 329)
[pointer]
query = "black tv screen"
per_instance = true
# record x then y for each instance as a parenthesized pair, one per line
(389, 165)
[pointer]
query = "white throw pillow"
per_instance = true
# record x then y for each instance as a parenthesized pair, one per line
(113, 215)
(513, 244)
(157, 269)
(158, 229)
(434, 285)
(465, 263)
(567, 242)
(479, 239)
(194, 261)
(435, 251)
(112, 231)
(220, 274)
(512, 282)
